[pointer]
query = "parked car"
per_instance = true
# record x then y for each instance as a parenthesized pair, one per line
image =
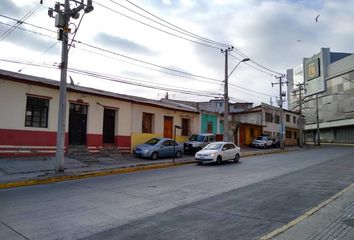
(198, 141)
(218, 152)
(262, 142)
(159, 147)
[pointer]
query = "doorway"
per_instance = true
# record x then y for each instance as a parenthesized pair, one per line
(167, 129)
(77, 124)
(109, 117)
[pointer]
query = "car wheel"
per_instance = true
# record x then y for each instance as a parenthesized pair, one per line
(154, 155)
(178, 154)
(237, 158)
(218, 160)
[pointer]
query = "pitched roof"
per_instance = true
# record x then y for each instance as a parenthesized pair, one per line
(19, 77)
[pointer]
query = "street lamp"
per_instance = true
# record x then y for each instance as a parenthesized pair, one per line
(226, 95)
(174, 142)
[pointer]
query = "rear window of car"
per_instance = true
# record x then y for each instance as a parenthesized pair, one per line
(152, 141)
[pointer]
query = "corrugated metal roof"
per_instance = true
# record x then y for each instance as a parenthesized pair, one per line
(39, 80)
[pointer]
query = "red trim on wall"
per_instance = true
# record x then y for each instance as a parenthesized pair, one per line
(123, 141)
(27, 138)
(94, 140)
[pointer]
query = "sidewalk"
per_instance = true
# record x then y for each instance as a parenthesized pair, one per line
(331, 220)
(16, 172)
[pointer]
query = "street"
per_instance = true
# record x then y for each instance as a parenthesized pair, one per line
(231, 201)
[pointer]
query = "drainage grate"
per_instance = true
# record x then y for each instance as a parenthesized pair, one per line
(349, 222)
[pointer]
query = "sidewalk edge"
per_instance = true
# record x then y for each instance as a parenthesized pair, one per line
(100, 173)
(305, 215)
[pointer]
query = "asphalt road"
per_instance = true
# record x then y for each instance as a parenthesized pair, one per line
(231, 201)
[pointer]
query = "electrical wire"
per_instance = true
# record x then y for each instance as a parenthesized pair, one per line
(156, 28)
(19, 22)
(174, 27)
(118, 54)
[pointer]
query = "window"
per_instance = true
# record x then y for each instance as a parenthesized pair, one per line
(268, 117)
(294, 119)
(147, 123)
(36, 112)
(287, 117)
(185, 127)
(276, 119)
(288, 134)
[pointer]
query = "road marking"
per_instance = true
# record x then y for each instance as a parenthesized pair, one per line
(306, 214)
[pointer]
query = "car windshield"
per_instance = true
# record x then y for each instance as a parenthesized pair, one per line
(213, 146)
(261, 138)
(152, 141)
(197, 138)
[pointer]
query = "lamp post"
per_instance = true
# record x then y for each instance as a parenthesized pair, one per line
(174, 142)
(226, 94)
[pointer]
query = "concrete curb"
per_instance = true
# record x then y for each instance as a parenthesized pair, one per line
(99, 173)
(106, 172)
(306, 215)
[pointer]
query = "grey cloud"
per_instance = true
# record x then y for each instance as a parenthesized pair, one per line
(8, 7)
(30, 40)
(121, 43)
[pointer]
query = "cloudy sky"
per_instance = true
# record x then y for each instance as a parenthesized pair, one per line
(119, 44)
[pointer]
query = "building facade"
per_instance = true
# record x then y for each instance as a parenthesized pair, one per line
(331, 105)
(94, 118)
(265, 120)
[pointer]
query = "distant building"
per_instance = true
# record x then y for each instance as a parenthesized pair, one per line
(330, 77)
(212, 114)
(264, 120)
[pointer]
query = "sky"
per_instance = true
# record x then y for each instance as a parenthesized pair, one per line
(116, 42)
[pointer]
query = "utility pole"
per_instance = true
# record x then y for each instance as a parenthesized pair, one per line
(301, 119)
(62, 19)
(226, 95)
(281, 132)
(317, 123)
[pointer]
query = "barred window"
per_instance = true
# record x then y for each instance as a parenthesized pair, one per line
(36, 112)
(288, 134)
(276, 119)
(268, 117)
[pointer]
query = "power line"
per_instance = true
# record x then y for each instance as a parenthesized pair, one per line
(174, 27)
(252, 66)
(19, 22)
(156, 28)
(145, 62)
(125, 81)
(115, 53)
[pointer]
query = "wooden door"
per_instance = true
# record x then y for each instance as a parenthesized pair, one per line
(167, 129)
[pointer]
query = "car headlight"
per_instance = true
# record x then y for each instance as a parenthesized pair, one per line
(212, 154)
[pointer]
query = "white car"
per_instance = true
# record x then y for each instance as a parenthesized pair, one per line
(218, 152)
(262, 142)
